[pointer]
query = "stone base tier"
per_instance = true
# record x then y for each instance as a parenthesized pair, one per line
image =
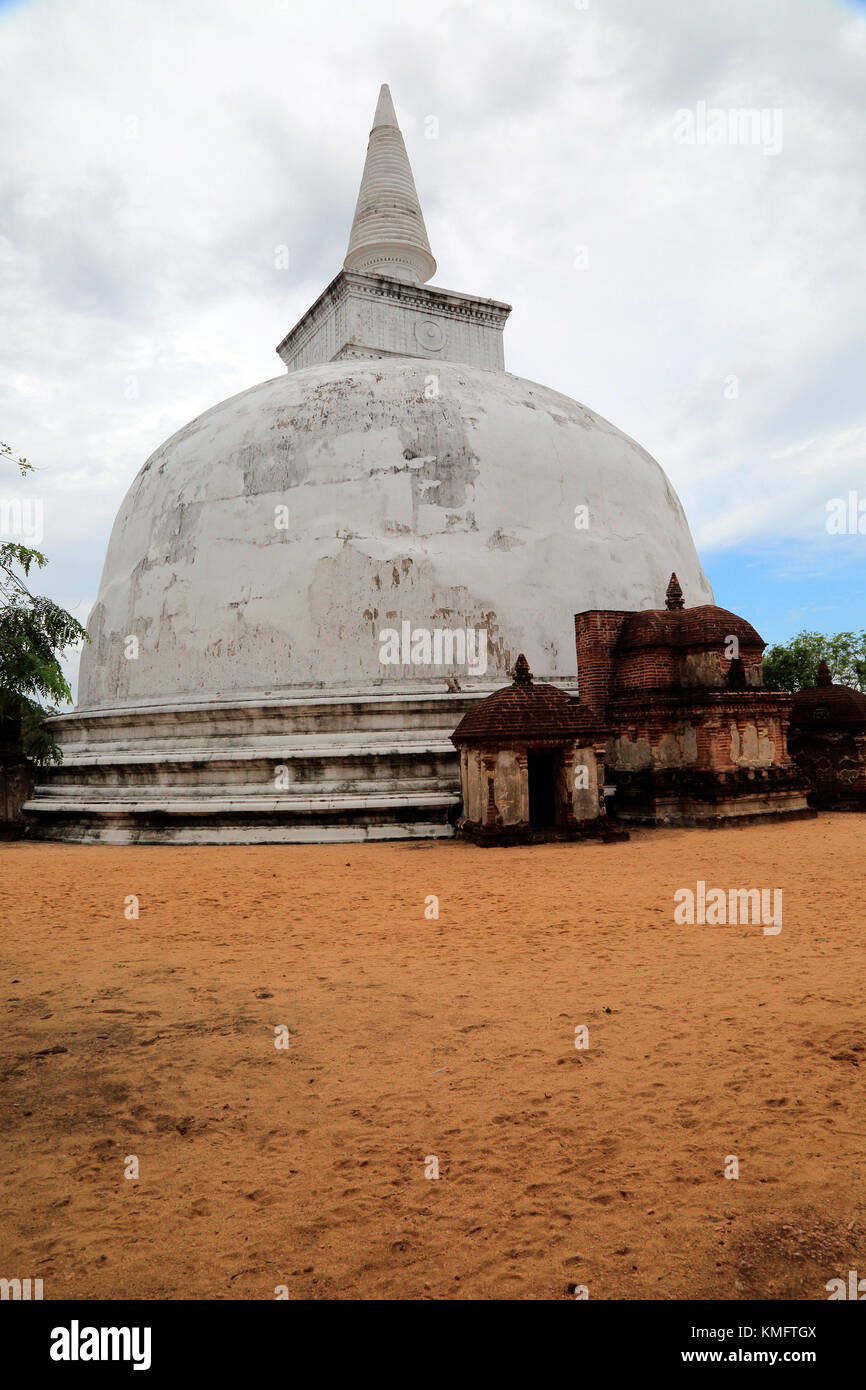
(838, 800)
(525, 834)
(680, 797)
(342, 768)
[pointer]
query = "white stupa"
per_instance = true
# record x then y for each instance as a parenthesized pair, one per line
(241, 683)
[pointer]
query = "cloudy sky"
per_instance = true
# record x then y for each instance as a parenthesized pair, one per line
(699, 283)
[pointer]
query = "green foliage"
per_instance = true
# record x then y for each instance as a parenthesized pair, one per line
(795, 664)
(22, 464)
(34, 632)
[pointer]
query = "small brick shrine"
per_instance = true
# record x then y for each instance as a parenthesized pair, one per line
(827, 742)
(531, 765)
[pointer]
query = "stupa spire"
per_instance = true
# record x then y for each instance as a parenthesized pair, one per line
(388, 235)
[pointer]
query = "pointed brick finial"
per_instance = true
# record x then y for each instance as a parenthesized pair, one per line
(388, 234)
(824, 677)
(521, 675)
(674, 595)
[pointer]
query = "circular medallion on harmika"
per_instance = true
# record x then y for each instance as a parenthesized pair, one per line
(430, 334)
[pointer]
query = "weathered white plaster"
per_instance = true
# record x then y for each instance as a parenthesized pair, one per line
(678, 748)
(388, 235)
(236, 771)
(632, 755)
(361, 316)
(456, 511)
(510, 788)
(378, 305)
(475, 785)
(751, 748)
(585, 799)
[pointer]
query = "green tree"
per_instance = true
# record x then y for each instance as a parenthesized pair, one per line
(793, 665)
(34, 632)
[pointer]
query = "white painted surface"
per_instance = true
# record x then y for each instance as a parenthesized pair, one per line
(388, 235)
(360, 316)
(450, 510)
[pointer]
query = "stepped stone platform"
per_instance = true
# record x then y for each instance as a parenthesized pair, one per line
(252, 771)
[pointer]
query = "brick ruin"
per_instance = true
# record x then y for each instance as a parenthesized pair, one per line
(671, 714)
(16, 783)
(827, 742)
(693, 737)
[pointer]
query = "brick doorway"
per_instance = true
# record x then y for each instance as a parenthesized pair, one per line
(542, 771)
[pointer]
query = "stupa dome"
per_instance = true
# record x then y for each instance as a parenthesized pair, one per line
(456, 512)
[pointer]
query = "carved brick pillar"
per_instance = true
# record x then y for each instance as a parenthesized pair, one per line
(783, 757)
(523, 764)
(566, 784)
(715, 755)
(491, 818)
(600, 750)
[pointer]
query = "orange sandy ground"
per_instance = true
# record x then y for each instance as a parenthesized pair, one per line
(413, 1037)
